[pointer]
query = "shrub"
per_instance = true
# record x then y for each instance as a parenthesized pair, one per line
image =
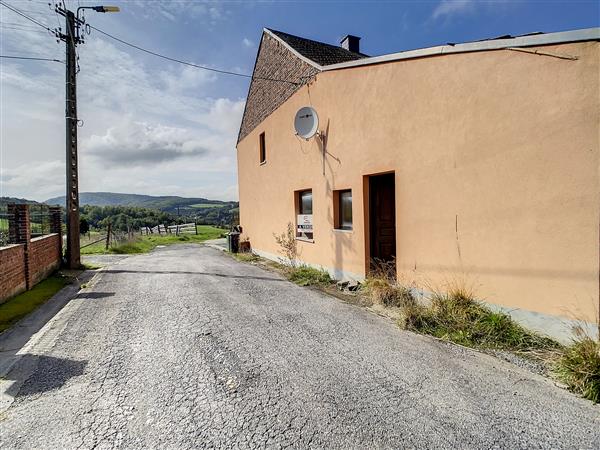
(287, 242)
(579, 366)
(307, 276)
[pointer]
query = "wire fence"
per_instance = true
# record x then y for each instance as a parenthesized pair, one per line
(39, 220)
(4, 220)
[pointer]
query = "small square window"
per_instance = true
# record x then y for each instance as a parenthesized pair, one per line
(263, 148)
(342, 209)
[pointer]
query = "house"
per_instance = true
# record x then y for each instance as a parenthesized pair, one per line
(476, 161)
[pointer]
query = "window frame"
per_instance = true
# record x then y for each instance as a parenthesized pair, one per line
(338, 210)
(262, 149)
(308, 237)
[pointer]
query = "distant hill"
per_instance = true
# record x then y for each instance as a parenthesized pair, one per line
(6, 200)
(145, 201)
(202, 209)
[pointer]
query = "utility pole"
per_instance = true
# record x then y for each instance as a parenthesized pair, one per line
(72, 38)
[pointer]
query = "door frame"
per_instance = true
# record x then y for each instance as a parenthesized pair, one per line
(367, 215)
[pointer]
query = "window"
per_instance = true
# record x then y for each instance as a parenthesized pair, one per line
(342, 209)
(304, 208)
(263, 148)
(305, 202)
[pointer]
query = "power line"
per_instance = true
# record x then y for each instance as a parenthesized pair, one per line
(168, 58)
(31, 58)
(22, 14)
(150, 52)
(26, 30)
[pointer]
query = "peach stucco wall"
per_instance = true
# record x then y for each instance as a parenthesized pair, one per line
(496, 161)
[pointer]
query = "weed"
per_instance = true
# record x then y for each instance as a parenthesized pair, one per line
(287, 242)
(246, 257)
(307, 276)
(579, 366)
(384, 288)
(457, 317)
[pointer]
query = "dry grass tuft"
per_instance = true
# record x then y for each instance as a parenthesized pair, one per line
(579, 366)
(457, 317)
(383, 287)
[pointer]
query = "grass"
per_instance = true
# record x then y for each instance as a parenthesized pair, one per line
(144, 244)
(302, 275)
(458, 318)
(18, 307)
(205, 205)
(388, 294)
(579, 367)
(307, 276)
(246, 257)
(382, 286)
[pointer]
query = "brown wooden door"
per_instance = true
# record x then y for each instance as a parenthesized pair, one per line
(382, 212)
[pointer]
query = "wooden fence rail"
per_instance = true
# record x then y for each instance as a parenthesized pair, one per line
(170, 229)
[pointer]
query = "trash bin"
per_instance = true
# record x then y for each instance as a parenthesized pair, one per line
(233, 242)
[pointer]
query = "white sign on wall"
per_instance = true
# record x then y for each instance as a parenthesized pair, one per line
(305, 223)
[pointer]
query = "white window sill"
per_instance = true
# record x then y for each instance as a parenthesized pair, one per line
(343, 230)
(303, 239)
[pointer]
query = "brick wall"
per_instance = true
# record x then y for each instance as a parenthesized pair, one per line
(44, 257)
(12, 271)
(28, 261)
(274, 61)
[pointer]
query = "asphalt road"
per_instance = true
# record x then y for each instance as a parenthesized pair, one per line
(187, 348)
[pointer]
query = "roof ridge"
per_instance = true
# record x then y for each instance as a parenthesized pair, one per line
(278, 32)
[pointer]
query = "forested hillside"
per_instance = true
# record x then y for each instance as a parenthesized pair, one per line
(201, 210)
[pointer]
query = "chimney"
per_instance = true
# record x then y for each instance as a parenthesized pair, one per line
(351, 43)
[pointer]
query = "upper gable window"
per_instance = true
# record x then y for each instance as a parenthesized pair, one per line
(262, 148)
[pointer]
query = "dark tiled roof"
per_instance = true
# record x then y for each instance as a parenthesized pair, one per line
(322, 54)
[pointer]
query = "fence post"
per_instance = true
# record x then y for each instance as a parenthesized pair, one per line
(196, 227)
(56, 225)
(108, 235)
(19, 232)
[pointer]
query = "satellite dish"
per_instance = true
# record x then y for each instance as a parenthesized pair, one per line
(306, 122)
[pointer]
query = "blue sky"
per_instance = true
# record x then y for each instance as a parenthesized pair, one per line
(151, 126)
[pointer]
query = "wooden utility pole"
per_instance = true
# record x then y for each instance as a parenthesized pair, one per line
(71, 38)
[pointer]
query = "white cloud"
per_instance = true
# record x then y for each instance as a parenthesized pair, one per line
(133, 143)
(178, 10)
(47, 176)
(447, 8)
(148, 129)
(247, 43)
(224, 115)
